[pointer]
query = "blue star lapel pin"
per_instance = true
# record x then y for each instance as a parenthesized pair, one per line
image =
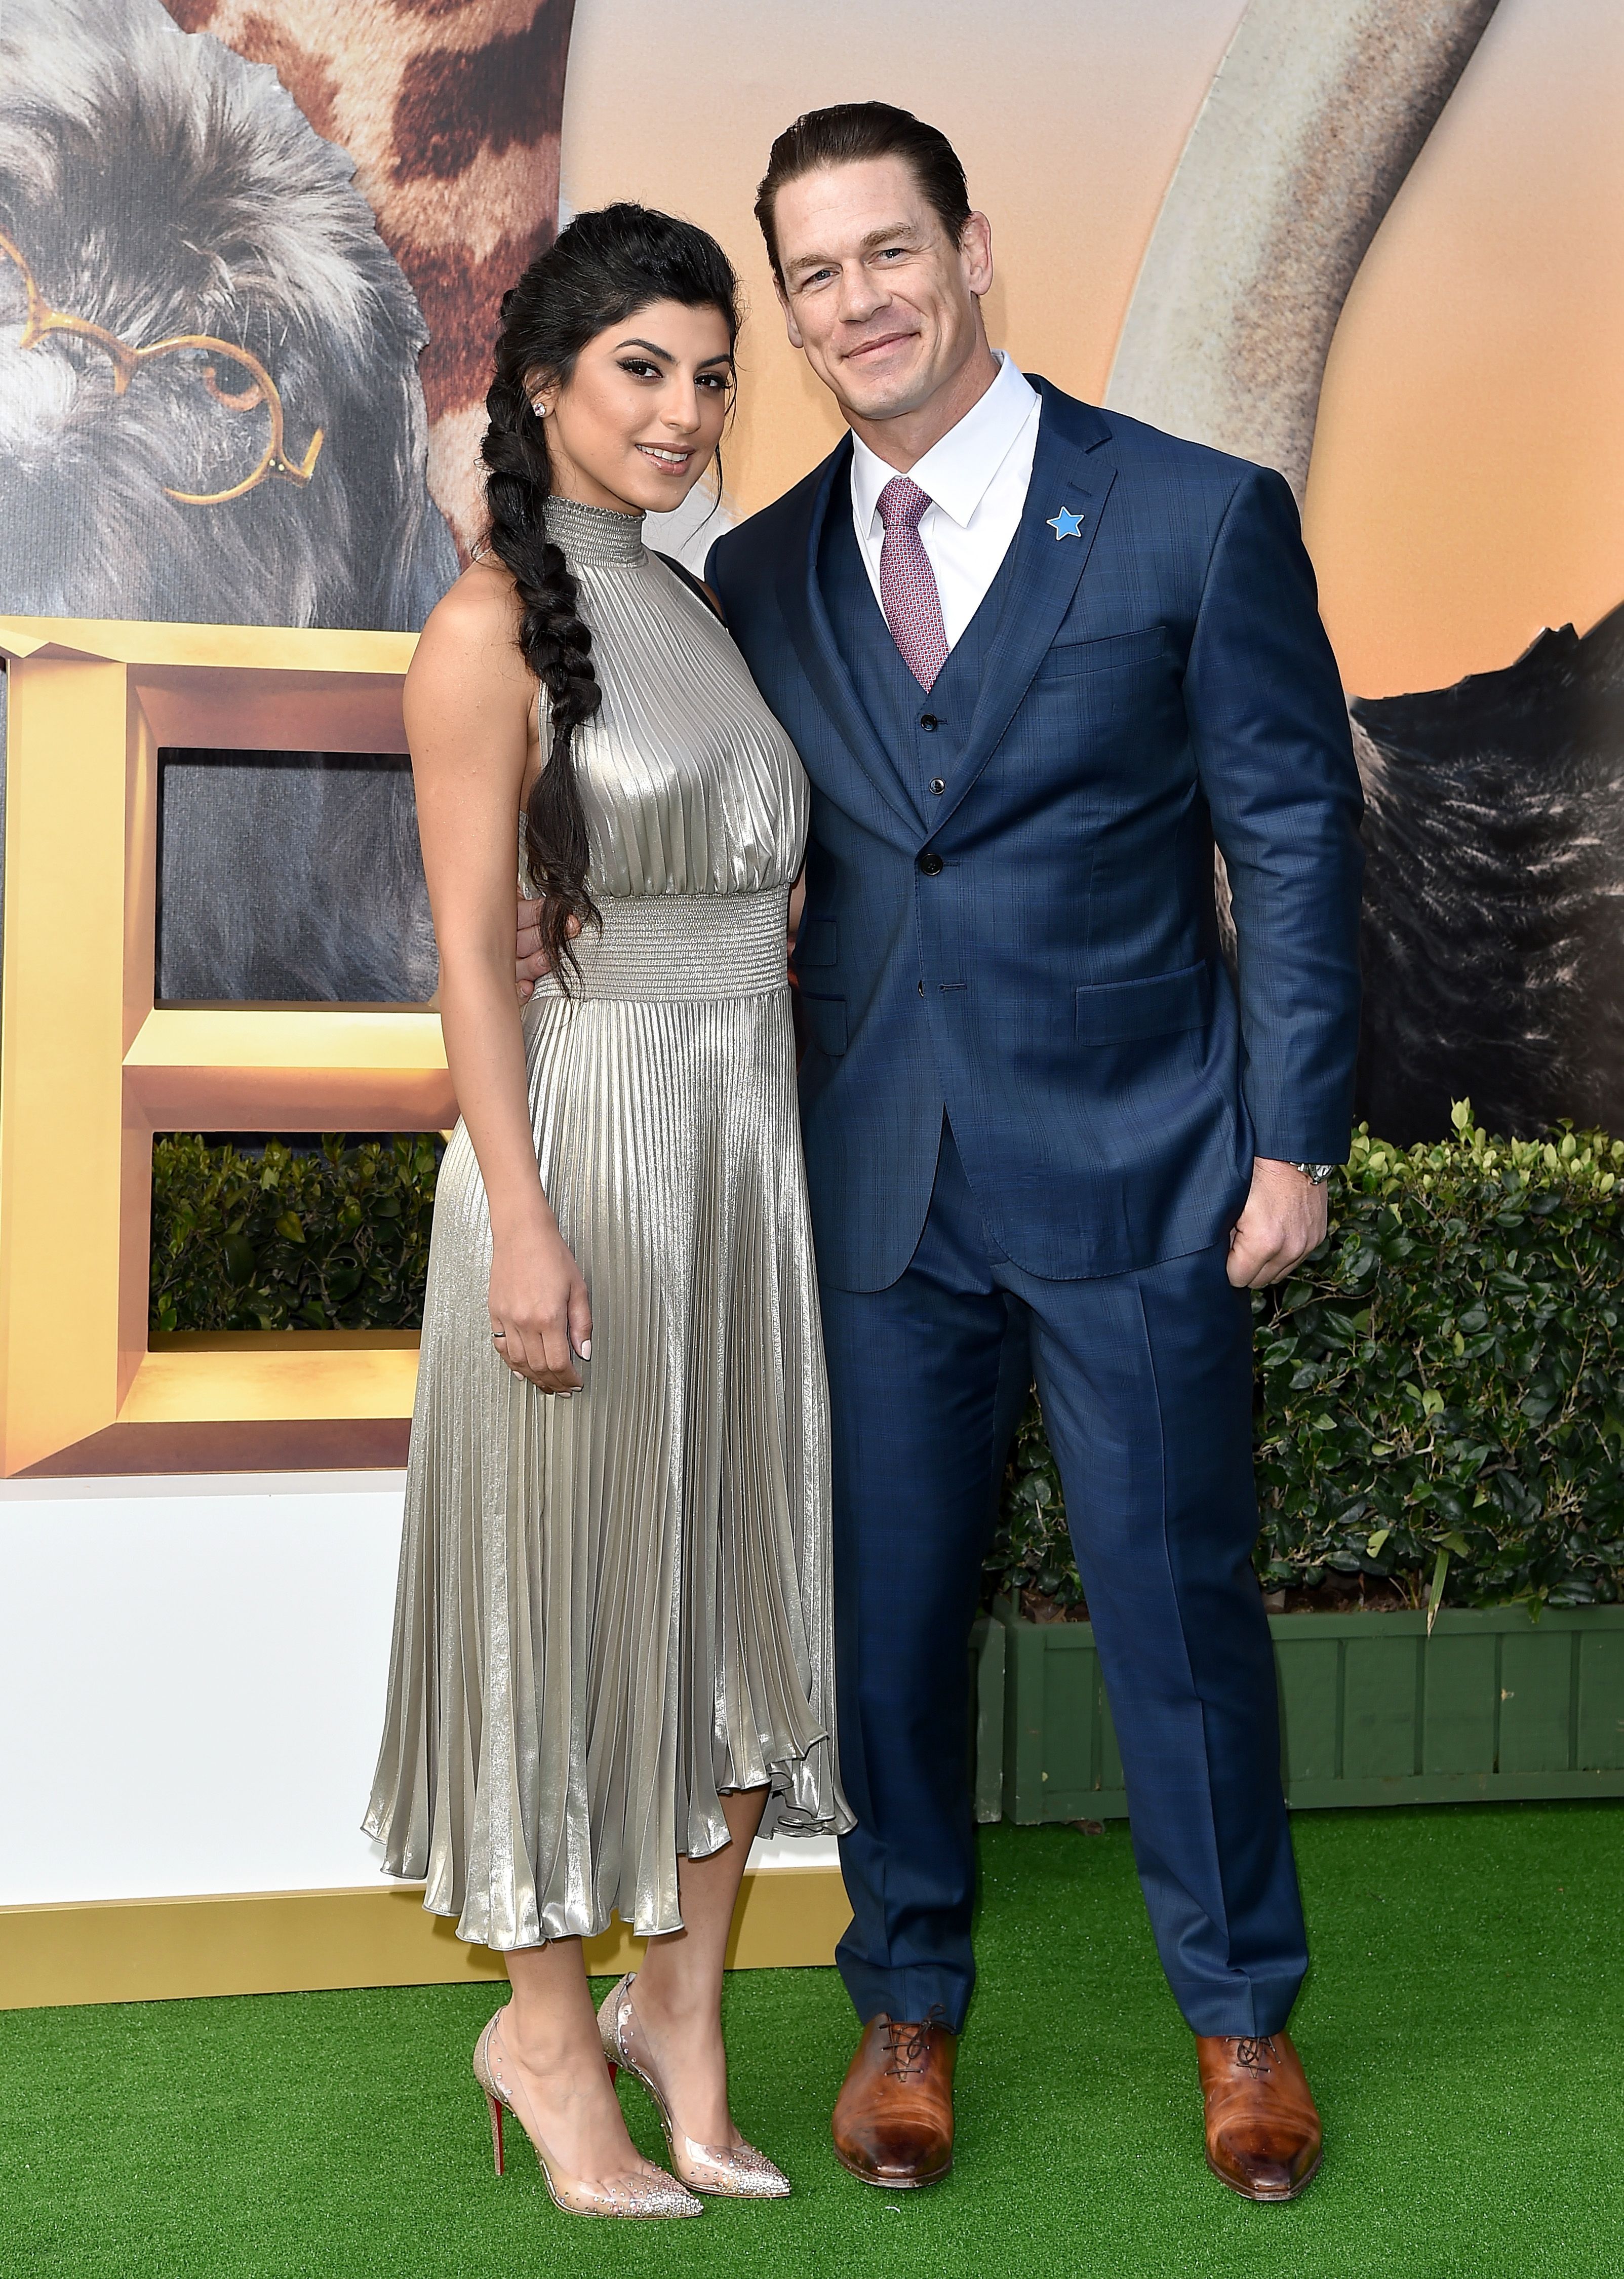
(1066, 524)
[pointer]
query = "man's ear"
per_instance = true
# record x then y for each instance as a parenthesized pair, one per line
(976, 252)
(790, 326)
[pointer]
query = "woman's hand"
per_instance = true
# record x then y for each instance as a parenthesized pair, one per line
(541, 1315)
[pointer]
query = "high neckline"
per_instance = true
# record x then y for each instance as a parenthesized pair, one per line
(590, 535)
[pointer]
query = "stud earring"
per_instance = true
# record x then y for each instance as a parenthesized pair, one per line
(539, 409)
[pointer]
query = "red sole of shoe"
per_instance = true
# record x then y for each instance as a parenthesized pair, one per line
(1266, 2200)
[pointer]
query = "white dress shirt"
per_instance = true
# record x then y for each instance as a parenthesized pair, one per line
(976, 477)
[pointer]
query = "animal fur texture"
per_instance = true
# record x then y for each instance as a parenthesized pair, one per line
(287, 876)
(450, 111)
(157, 184)
(1495, 879)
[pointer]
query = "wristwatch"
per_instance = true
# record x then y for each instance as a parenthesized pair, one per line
(1316, 1173)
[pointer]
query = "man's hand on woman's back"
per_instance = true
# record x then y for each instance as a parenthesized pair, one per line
(531, 963)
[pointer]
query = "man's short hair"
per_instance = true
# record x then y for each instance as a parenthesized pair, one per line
(846, 132)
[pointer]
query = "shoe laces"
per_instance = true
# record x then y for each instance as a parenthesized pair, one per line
(1255, 2052)
(908, 2045)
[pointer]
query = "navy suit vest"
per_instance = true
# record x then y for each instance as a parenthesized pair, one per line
(922, 734)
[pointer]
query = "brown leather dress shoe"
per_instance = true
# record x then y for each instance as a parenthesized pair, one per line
(1263, 2135)
(894, 2117)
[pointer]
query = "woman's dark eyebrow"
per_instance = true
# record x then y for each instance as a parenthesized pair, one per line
(723, 355)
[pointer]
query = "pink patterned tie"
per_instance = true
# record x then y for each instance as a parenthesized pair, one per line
(908, 584)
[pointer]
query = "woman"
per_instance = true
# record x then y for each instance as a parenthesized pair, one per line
(612, 1632)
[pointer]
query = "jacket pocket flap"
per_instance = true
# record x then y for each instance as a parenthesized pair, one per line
(1141, 647)
(1116, 1012)
(815, 944)
(826, 1019)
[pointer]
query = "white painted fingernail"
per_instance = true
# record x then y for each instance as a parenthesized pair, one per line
(584, 1349)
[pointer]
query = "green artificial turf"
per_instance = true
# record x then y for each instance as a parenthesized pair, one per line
(1463, 2026)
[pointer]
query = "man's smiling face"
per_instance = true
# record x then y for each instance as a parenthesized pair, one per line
(875, 292)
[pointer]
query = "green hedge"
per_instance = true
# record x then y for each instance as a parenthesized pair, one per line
(1440, 1387)
(336, 1238)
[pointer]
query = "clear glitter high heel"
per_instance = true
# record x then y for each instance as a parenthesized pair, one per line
(734, 2172)
(637, 2196)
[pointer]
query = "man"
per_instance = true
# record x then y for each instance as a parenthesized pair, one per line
(1036, 659)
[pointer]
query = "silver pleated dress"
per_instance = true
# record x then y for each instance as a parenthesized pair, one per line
(613, 1608)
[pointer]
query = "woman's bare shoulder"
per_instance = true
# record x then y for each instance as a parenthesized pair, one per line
(474, 628)
(479, 605)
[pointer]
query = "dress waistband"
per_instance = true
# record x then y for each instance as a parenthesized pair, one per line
(682, 946)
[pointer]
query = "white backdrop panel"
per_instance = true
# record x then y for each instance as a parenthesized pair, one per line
(191, 1680)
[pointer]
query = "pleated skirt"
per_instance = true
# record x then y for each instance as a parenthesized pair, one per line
(614, 1608)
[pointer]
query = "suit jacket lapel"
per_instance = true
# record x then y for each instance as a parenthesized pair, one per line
(1045, 572)
(801, 601)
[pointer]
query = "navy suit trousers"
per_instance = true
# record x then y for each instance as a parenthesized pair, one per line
(1146, 1380)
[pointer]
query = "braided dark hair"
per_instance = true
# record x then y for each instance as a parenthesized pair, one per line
(599, 270)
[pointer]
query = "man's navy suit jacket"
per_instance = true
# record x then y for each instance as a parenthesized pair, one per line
(1036, 953)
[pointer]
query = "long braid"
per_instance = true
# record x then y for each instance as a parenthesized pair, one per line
(557, 645)
(602, 268)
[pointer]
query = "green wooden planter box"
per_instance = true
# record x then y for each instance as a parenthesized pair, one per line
(1493, 1705)
(988, 1687)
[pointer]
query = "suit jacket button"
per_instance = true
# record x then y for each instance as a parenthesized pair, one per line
(930, 864)
(937, 786)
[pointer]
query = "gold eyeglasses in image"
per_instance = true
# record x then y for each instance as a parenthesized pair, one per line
(229, 377)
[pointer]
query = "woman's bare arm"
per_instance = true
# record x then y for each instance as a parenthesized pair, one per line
(468, 712)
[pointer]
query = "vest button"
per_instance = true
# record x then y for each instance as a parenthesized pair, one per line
(937, 786)
(929, 721)
(930, 864)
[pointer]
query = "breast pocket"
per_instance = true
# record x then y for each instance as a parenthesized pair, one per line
(826, 1021)
(1069, 660)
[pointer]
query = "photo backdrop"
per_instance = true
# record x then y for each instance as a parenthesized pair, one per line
(1377, 243)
